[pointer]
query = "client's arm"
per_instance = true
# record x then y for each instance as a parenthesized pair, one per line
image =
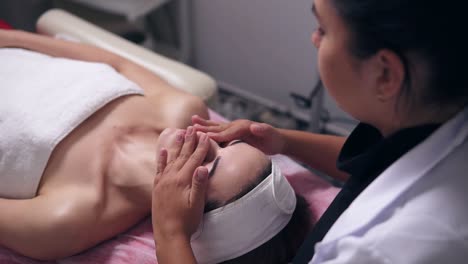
(41, 227)
(146, 79)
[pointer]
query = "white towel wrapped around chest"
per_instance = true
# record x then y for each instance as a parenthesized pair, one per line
(42, 99)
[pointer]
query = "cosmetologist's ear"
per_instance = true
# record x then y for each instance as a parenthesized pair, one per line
(391, 75)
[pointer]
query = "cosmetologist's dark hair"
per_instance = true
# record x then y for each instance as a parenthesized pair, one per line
(432, 29)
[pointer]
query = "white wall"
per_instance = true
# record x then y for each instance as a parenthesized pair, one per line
(259, 46)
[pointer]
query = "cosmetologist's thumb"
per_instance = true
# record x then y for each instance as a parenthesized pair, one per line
(199, 185)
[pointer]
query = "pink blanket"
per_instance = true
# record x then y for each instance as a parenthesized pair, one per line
(137, 245)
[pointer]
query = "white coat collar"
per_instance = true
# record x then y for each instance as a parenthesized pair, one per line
(385, 190)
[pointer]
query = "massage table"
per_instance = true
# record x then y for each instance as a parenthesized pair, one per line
(136, 245)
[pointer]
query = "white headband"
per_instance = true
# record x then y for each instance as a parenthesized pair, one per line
(245, 224)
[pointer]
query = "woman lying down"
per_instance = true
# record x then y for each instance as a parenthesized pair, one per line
(78, 149)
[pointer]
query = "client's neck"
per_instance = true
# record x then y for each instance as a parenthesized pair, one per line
(132, 168)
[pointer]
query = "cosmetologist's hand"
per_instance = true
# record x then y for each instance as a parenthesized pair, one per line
(260, 135)
(179, 187)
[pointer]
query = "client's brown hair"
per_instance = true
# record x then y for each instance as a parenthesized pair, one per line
(283, 246)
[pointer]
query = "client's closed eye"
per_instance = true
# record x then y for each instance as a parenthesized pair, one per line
(215, 164)
(230, 143)
(237, 141)
(212, 155)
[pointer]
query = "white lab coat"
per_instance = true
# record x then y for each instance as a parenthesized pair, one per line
(416, 211)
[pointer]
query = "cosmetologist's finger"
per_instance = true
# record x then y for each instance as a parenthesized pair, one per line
(161, 165)
(197, 157)
(174, 148)
(204, 122)
(187, 149)
(228, 134)
(205, 129)
(199, 186)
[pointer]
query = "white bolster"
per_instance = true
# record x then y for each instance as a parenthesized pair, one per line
(57, 22)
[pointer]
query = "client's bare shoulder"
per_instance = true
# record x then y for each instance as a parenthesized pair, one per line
(87, 151)
(176, 107)
(104, 168)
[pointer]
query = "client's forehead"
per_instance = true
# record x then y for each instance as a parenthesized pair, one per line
(239, 166)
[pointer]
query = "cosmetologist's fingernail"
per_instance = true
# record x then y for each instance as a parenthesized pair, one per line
(180, 136)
